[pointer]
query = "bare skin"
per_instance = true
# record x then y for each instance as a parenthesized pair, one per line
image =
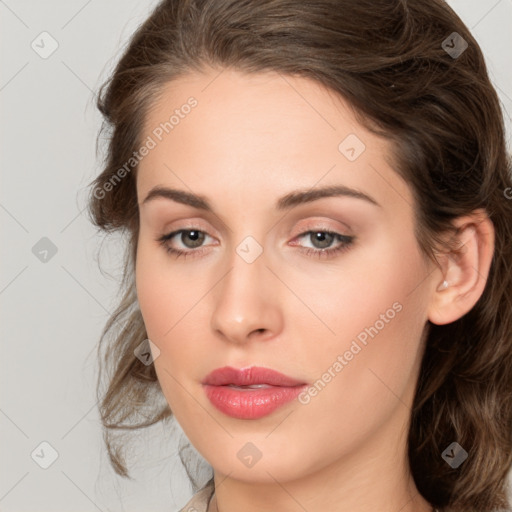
(250, 140)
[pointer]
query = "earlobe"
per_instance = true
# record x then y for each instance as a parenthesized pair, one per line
(465, 270)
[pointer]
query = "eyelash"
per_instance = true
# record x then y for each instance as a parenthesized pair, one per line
(347, 242)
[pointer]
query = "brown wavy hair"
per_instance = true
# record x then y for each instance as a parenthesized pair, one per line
(444, 119)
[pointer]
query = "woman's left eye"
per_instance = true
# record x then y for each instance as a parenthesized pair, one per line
(324, 239)
(192, 239)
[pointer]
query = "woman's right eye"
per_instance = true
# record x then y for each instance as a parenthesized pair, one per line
(195, 236)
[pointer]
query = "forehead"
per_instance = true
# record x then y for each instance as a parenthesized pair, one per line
(231, 130)
(231, 103)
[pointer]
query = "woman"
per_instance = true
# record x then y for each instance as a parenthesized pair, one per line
(316, 197)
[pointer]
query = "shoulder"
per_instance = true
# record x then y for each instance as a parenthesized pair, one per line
(200, 500)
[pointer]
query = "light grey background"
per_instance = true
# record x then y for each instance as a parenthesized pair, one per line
(53, 311)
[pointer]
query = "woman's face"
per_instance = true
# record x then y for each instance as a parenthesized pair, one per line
(342, 314)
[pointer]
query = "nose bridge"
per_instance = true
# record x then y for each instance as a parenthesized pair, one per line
(243, 303)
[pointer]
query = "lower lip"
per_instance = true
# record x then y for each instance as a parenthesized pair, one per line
(250, 404)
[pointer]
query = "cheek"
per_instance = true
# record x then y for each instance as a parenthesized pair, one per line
(366, 288)
(375, 310)
(164, 304)
(164, 296)
(171, 300)
(152, 297)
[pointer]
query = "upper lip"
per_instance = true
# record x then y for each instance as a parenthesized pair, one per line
(248, 376)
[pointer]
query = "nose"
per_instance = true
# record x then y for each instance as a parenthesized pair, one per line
(246, 305)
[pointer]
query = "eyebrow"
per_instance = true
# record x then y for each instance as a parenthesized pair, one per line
(286, 202)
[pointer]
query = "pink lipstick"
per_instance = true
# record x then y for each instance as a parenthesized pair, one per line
(250, 393)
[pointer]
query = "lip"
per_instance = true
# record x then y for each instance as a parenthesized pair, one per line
(249, 376)
(222, 387)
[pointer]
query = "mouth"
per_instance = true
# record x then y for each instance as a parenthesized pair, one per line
(250, 393)
(252, 386)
